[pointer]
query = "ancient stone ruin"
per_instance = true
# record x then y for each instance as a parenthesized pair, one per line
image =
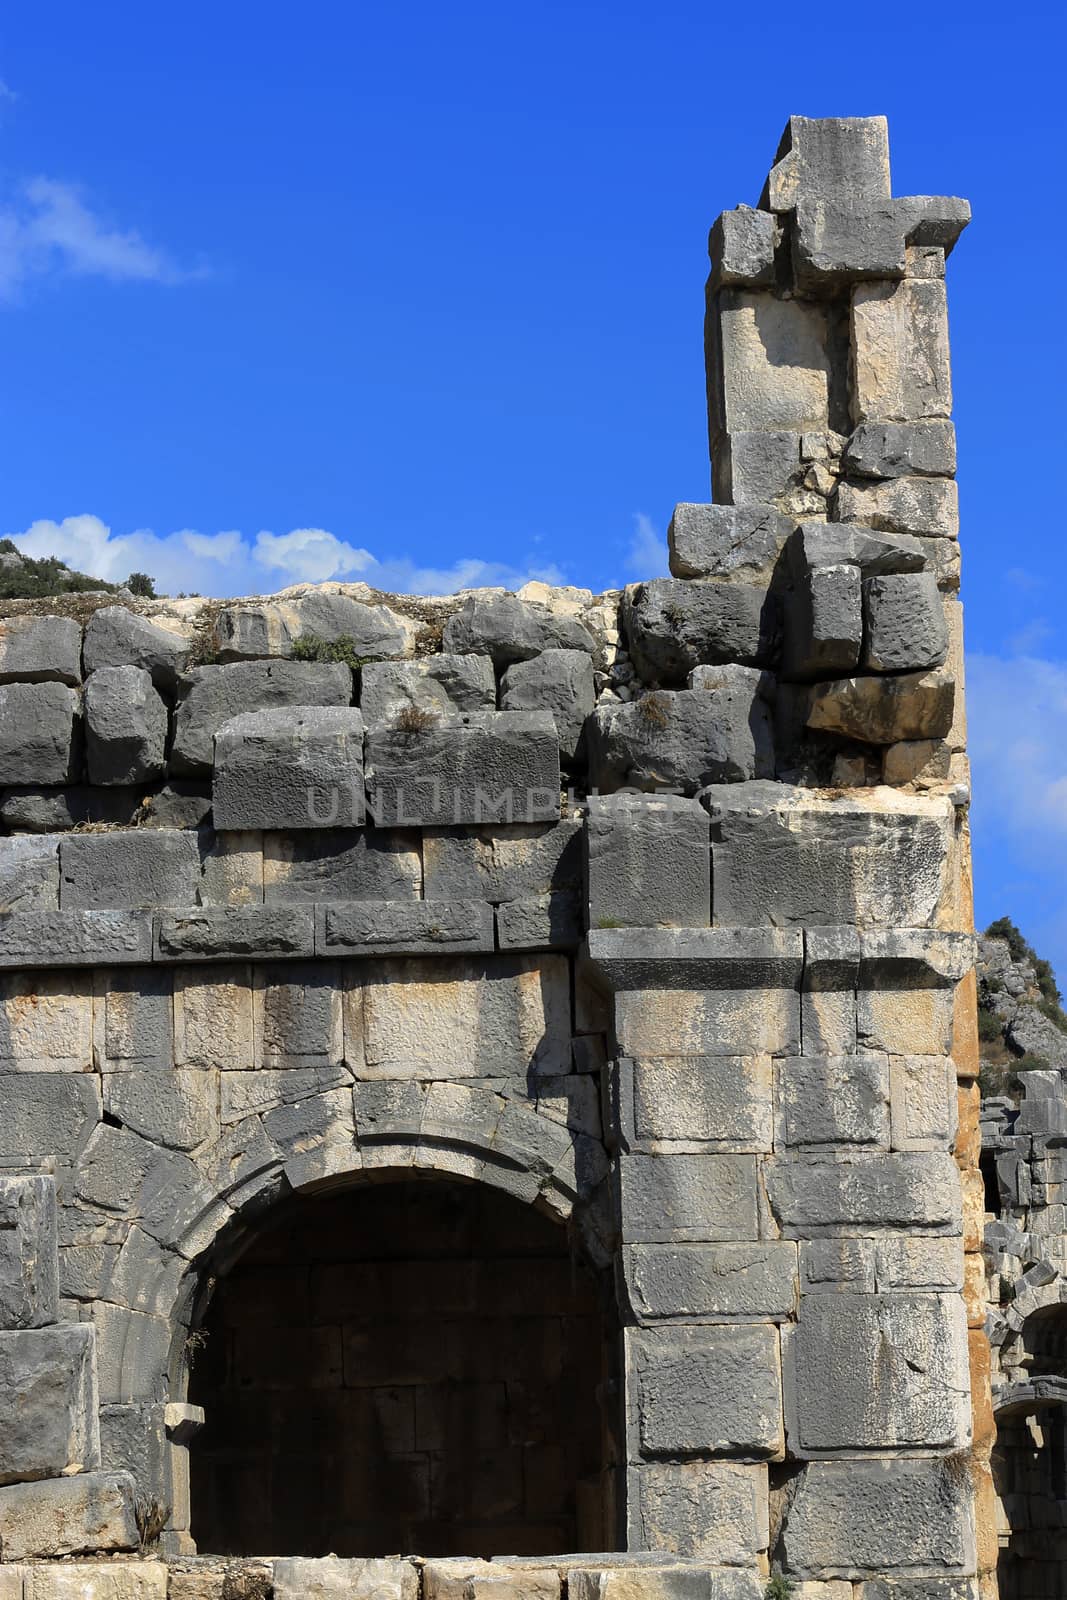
(488, 1099)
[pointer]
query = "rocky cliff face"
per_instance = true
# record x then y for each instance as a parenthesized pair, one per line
(1021, 1021)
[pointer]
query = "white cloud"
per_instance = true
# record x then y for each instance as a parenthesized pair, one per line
(228, 563)
(47, 227)
(646, 554)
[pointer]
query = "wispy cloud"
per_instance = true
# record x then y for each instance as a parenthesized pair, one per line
(229, 563)
(646, 553)
(49, 228)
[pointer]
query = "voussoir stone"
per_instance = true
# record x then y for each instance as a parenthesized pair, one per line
(500, 625)
(125, 727)
(210, 696)
(40, 649)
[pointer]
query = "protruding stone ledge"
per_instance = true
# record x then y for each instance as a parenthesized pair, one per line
(75, 938)
(210, 932)
(410, 928)
(697, 958)
(843, 957)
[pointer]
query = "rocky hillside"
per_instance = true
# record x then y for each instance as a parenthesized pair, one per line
(1021, 1021)
(23, 578)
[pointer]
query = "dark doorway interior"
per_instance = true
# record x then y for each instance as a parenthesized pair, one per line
(405, 1367)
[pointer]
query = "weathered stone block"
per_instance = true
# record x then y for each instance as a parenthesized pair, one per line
(115, 637)
(234, 931)
(905, 1021)
(666, 1198)
(712, 1282)
(865, 1194)
(830, 544)
(547, 922)
(772, 363)
(714, 1510)
(900, 355)
(648, 862)
(900, 1377)
(38, 727)
(706, 1389)
(40, 650)
(65, 1516)
(213, 1018)
(371, 864)
(472, 1579)
(834, 1100)
(210, 696)
(858, 1518)
(673, 626)
(665, 1583)
(46, 1023)
(29, 872)
(481, 767)
(843, 159)
(334, 1578)
(28, 1267)
(46, 1114)
(475, 1018)
(48, 1404)
(138, 870)
(97, 1580)
(134, 1019)
(503, 863)
(838, 1266)
(243, 631)
(741, 246)
(493, 623)
(836, 245)
(919, 1263)
(125, 727)
(442, 683)
(654, 1023)
(170, 1107)
(559, 681)
(823, 623)
(899, 449)
(721, 1100)
(410, 927)
(924, 1102)
(298, 767)
(759, 468)
(924, 507)
(55, 810)
(883, 710)
(718, 731)
(738, 543)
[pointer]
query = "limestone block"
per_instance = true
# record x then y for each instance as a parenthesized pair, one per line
(648, 862)
(732, 543)
(829, 544)
(40, 650)
(686, 1196)
(47, 810)
(503, 863)
(74, 938)
(98, 1580)
(141, 869)
(296, 1015)
(664, 1583)
(843, 159)
(411, 927)
(901, 449)
(231, 869)
(213, 1018)
(46, 1114)
(246, 1094)
(714, 1510)
(754, 467)
(29, 872)
(865, 1194)
(48, 1404)
(921, 507)
(448, 1017)
(741, 246)
(905, 1021)
(772, 363)
(243, 631)
(836, 244)
(883, 710)
(335, 1578)
(919, 1263)
(115, 637)
(479, 767)
(66, 1516)
(172, 1107)
(796, 857)
(46, 1022)
(924, 1102)
(708, 1389)
(134, 1019)
(899, 1374)
(724, 1101)
(838, 1266)
(717, 731)
(823, 623)
(654, 1023)
(470, 1579)
(292, 768)
(559, 681)
(235, 931)
(836, 1100)
(499, 625)
(923, 762)
(673, 626)
(857, 1519)
(900, 355)
(132, 1352)
(368, 864)
(125, 727)
(28, 1266)
(442, 683)
(38, 727)
(210, 696)
(720, 1282)
(551, 921)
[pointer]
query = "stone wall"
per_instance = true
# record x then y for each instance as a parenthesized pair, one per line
(650, 909)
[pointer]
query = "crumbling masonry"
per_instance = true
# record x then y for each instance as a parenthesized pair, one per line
(496, 1076)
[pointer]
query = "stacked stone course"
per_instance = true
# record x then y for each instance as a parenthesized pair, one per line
(650, 909)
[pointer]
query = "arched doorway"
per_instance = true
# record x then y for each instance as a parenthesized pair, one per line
(1030, 1461)
(419, 1365)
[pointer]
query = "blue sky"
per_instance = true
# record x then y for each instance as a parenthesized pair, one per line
(414, 294)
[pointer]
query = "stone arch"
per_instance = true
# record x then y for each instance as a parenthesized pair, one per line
(1030, 1455)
